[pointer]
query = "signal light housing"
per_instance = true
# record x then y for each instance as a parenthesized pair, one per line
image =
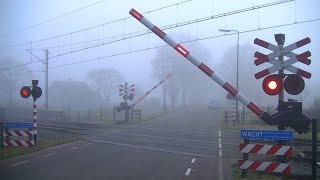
(131, 96)
(118, 108)
(25, 91)
(294, 84)
(272, 85)
(36, 92)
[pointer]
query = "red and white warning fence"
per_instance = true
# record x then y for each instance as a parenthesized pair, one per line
(270, 167)
(266, 149)
(12, 137)
(9, 133)
(18, 133)
(18, 143)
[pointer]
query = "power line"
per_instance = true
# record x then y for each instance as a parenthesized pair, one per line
(89, 28)
(181, 23)
(168, 27)
(183, 42)
(52, 19)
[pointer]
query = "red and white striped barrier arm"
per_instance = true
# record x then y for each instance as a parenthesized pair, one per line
(271, 167)
(13, 143)
(204, 68)
(154, 87)
(266, 149)
(18, 133)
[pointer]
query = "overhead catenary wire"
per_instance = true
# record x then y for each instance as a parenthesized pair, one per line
(183, 42)
(183, 23)
(89, 28)
(52, 19)
(174, 26)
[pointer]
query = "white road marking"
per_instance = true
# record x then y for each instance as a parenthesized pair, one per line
(163, 137)
(193, 160)
(75, 147)
(206, 131)
(19, 163)
(151, 148)
(112, 131)
(188, 171)
(220, 146)
(220, 152)
(49, 154)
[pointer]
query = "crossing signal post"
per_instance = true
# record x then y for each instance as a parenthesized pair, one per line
(289, 113)
(127, 93)
(36, 93)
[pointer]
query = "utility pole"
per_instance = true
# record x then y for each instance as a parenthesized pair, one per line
(164, 92)
(280, 39)
(46, 62)
(47, 73)
(164, 97)
(127, 107)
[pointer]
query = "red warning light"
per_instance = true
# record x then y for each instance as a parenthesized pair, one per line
(25, 92)
(272, 85)
(136, 14)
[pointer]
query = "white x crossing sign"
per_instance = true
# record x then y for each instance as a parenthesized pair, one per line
(286, 51)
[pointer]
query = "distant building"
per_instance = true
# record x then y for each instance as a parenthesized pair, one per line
(73, 95)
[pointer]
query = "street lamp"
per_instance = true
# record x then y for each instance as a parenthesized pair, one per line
(237, 81)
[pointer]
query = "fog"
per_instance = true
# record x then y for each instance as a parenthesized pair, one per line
(87, 60)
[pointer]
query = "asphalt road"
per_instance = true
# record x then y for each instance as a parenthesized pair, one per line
(182, 145)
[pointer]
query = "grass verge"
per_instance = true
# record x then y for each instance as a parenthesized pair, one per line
(8, 152)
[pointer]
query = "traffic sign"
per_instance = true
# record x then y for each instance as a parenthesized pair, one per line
(286, 51)
(17, 125)
(266, 134)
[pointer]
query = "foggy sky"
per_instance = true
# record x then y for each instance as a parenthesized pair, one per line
(136, 67)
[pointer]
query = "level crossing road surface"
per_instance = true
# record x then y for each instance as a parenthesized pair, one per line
(180, 145)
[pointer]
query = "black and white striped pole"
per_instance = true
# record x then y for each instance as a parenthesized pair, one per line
(35, 121)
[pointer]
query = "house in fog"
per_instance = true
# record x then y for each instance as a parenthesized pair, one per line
(74, 95)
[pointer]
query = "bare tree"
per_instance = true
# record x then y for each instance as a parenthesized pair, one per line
(11, 79)
(105, 81)
(187, 79)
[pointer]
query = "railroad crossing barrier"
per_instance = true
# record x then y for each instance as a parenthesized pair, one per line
(135, 114)
(17, 134)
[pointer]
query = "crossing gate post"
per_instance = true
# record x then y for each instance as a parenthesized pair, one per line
(245, 156)
(140, 114)
(1, 134)
(114, 112)
(226, 118)
(101, 114)
(243, 114)
(314, 148)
